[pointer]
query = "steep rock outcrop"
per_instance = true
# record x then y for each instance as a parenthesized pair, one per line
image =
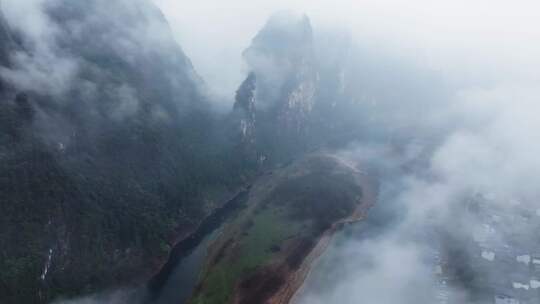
(246, 108)
(283, 81)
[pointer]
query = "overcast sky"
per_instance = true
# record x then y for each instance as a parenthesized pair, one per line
(464, 37)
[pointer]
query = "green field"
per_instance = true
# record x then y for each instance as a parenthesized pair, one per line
(256, 247)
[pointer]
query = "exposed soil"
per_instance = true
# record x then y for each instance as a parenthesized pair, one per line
(261, 286)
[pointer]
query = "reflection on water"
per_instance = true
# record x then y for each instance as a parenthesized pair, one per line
(183, 279)
(177, 279)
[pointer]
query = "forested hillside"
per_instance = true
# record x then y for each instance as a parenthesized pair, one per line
(102, 169)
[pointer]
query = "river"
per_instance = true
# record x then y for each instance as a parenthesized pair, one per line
(177, 279)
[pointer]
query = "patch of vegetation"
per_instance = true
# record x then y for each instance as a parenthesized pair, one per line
(107, 206)
(323, 198)
(253, 248)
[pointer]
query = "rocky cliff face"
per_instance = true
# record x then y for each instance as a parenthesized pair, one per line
(7, 47)
(6, 41)
(246, 109)
(283, 83)
(308, 93)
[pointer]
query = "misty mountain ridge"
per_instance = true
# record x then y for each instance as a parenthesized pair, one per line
(277, 97)
(105, 115)
(112, 151)
(107, 145)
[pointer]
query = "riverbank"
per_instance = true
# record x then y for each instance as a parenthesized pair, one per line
(185, 247)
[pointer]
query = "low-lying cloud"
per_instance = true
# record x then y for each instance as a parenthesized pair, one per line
(470, 42)
(460, 78)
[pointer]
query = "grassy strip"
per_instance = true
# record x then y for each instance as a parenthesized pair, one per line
(255, 247)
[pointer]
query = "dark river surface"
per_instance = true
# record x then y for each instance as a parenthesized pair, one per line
(176, 281)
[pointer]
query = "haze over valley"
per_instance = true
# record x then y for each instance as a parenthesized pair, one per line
(303, 152)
